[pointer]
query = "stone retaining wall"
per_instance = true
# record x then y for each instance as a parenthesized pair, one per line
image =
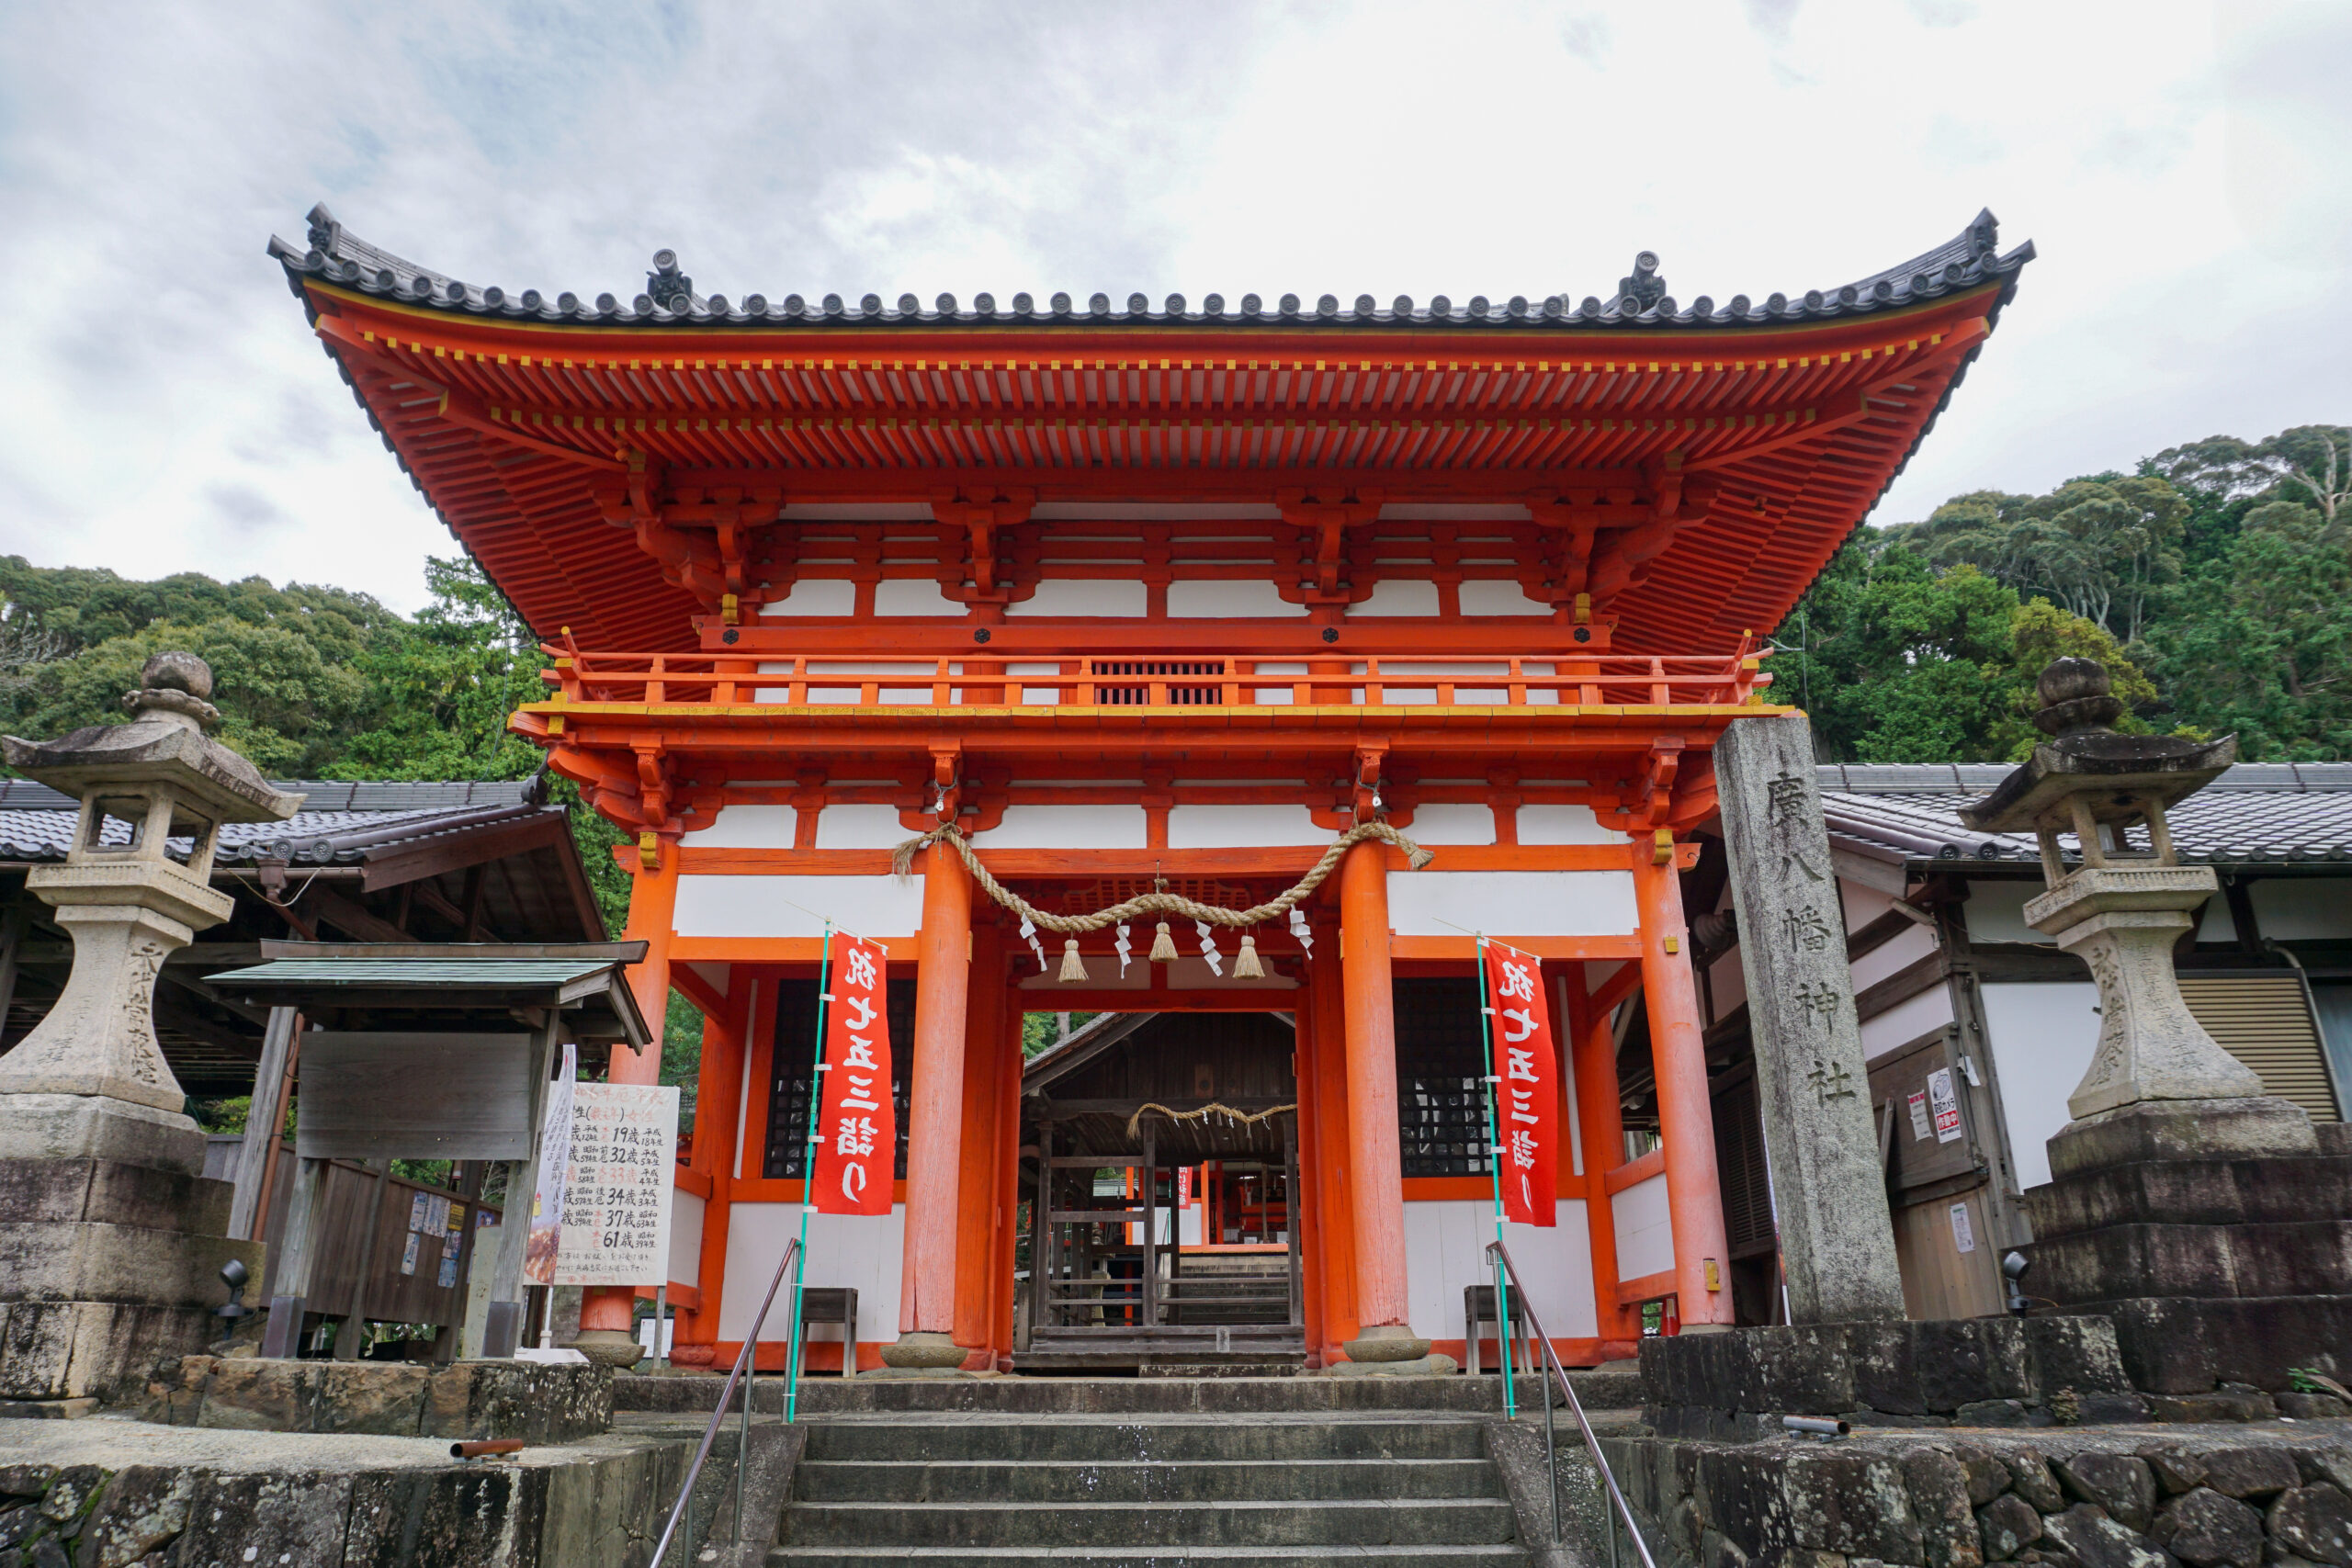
(473, 1401)
(2113, 1499)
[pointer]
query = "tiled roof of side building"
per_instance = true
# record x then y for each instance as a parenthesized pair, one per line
(340, 821)
(332, 254)
(2281, 813)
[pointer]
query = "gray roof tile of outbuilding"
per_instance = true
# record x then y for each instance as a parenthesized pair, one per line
(2278, 813)
(340, 821)
(332, 254)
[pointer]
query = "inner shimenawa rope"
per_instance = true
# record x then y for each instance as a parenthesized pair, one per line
(1241, 1118)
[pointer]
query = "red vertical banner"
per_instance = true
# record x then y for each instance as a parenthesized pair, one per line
(1526, 1108)
(857, 1129)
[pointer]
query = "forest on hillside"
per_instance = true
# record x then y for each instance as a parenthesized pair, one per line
(2214, 578)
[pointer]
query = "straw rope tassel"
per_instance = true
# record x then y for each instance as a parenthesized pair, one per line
(1073, 966)
(1164, 947)
(1246, 967)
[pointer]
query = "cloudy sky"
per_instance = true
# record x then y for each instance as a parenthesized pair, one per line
(2181, 166)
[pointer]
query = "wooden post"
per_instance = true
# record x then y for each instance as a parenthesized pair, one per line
(1290, 1226)
(506, 1328)
(653, 905)
(290, 1287)
(927, 1271)
(1334, 1181)
(1600, 1121)
(1041, 1233)
(726, 1043)
(275, 1146)
(261, 1127)
(1149, 1285)
(355, 1322)
(1375, 1164)
(1306, 1199)
(1686, 1117)
(981, 1141)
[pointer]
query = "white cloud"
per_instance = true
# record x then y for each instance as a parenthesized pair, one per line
(165, 409)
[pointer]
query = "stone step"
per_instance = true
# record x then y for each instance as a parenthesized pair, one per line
(1484, 1555)
(1615, 1386)
(1326, 1522)
(1126, 1481)
(1166, 1442)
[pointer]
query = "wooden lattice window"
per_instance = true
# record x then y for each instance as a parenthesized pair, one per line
(1185, 678)
(796, 1049)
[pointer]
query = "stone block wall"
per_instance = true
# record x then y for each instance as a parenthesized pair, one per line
(2069, 1500)
(471, 1401)
(1990, 1371)
(603, 1507)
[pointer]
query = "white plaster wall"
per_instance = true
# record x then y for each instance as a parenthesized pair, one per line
(1862, 904)
(912, 697)
(872, 907)
(1446, 1252)
(2041, 1039)
(1242, 827)
(2312, 909)
(1398, 596)
(850, 827)
(746, 828)
(1082, 596)
(860, 1251)
(815, 596)
(1066, 827)
(1895, 953)
(686, 1237)
(1645, 1229)
(912, 596)
(1995, 912)
(1270, 696)
(1453, 824)
(1902, 1024)
(1564, 825)
(1511, 903)
(1483, 598)
(2217, 924)
(1221, 601)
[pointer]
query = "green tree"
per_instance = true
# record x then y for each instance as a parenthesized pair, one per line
(2311, 463)
(2099, 546)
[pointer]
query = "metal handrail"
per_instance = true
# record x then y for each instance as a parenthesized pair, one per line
(710, 1433)
(1592, 1444)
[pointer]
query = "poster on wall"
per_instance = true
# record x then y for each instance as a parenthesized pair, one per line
(617, 1190)
(547, 1199)
(857, 1128)
(1527, 1103)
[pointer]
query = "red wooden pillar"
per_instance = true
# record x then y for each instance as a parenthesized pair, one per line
(1309, 1195)
(1334, 1232)
(718, 1103)
(935, 1117)
(1686, 1117)
(981, 1155)
(609, 1310)
(1375, 1164)
(1600, 1127)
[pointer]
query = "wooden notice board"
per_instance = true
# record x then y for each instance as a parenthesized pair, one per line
(398, 1096)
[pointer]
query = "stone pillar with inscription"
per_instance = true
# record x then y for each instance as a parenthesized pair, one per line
(111, 1237)
(1828, 1187)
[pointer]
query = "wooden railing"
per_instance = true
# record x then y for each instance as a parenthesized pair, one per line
(974, 680)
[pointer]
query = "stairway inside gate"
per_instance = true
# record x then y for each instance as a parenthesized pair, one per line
(1267, 1489)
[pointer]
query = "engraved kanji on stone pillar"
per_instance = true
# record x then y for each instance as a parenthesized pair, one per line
(1828, 1190)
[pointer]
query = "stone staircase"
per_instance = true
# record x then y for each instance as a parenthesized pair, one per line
(1279, 1489)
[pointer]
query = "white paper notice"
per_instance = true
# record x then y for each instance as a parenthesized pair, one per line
(1919, 1128)
(1945, 1100)
(617, 1191)
(1964, 1234)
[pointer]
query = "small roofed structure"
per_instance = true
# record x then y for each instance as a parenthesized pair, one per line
(425, 1051)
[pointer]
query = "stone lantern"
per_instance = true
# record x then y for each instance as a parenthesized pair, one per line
(108, 1230)
(2158, 1083)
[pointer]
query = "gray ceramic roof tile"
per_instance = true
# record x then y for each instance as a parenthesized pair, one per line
(332, 254)
(2282, 812)
(340, 822)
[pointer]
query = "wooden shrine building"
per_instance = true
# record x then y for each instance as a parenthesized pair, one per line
(1131, 590)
